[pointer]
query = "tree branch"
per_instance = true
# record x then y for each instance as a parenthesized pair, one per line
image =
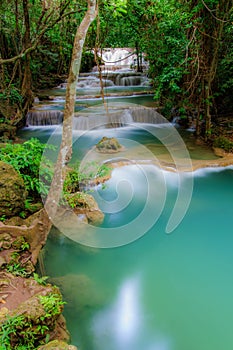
(36, 41)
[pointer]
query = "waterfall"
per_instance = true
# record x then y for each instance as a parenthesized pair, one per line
(103, 120)
(118, 56)
(130, 81)
(86, 121)
(44, 117)
(146, 115)
(113, 78)
(93, 82)
(96, 119)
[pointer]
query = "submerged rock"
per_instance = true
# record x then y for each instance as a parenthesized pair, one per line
(12, 191)
(79, 291)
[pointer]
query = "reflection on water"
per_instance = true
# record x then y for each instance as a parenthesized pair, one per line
(162, 292)
(121, 321)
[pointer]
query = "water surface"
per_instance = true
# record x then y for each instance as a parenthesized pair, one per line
(162, 292)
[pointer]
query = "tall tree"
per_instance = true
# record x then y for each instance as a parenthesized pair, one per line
(65, 151)
(23, 30)
(209, 17)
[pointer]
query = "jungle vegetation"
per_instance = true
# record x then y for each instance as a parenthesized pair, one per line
(188, 45)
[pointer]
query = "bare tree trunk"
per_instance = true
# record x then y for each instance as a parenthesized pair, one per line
(26, 87)
(65, 151)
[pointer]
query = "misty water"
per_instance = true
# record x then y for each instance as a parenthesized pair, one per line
(161, 291)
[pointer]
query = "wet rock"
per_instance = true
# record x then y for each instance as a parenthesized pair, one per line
(85, 204)
(108, 145)
(57, 345)
(12, 191)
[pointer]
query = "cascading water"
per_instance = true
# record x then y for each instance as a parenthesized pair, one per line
(47, 117)
(161, 292)
(117, 83)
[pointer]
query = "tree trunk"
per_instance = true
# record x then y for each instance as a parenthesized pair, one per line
(65, 151)
(26, 88)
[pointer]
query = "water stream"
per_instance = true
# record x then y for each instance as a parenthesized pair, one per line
(162, 291)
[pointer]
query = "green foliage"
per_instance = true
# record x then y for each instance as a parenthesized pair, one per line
(16, 269)
(103, 170)
(75, 200)
(72, 181)
(77, 179)
(52, 304)
(224, 143)
(19, 332)
(26, 159)
(8, 331)
(20, 244)
(12, 95)
(88, 61)
(41, 280)
(3, 218)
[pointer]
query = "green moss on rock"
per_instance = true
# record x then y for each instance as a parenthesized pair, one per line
(108, 145)
(12, 191)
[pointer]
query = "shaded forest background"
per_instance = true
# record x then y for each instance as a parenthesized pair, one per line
(188, 45)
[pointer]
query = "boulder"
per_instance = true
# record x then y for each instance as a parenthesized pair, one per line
(108, 145)
(38, 307)
(57, 345)
(12, 191)
(85, 204)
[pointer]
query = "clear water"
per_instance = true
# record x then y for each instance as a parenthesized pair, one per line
(162, 292)
(58, 102)
(138, 134)
(97, 91)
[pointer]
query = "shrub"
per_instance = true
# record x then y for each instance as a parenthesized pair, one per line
(26, 159)
(224, 143)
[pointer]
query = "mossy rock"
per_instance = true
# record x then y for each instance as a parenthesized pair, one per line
(12, 191)
(83, 203)
(57, 345)
(108, 145)
(7, 131)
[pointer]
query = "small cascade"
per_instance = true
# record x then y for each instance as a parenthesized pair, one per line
(146, 115)
(130, 81)
(97, 119)
(113, 78)
(103, 120)
(93, 82)
(116, 119)
(44, 117)
(118, 56)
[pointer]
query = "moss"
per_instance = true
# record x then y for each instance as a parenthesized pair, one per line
(108, 144)
(224, 143)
